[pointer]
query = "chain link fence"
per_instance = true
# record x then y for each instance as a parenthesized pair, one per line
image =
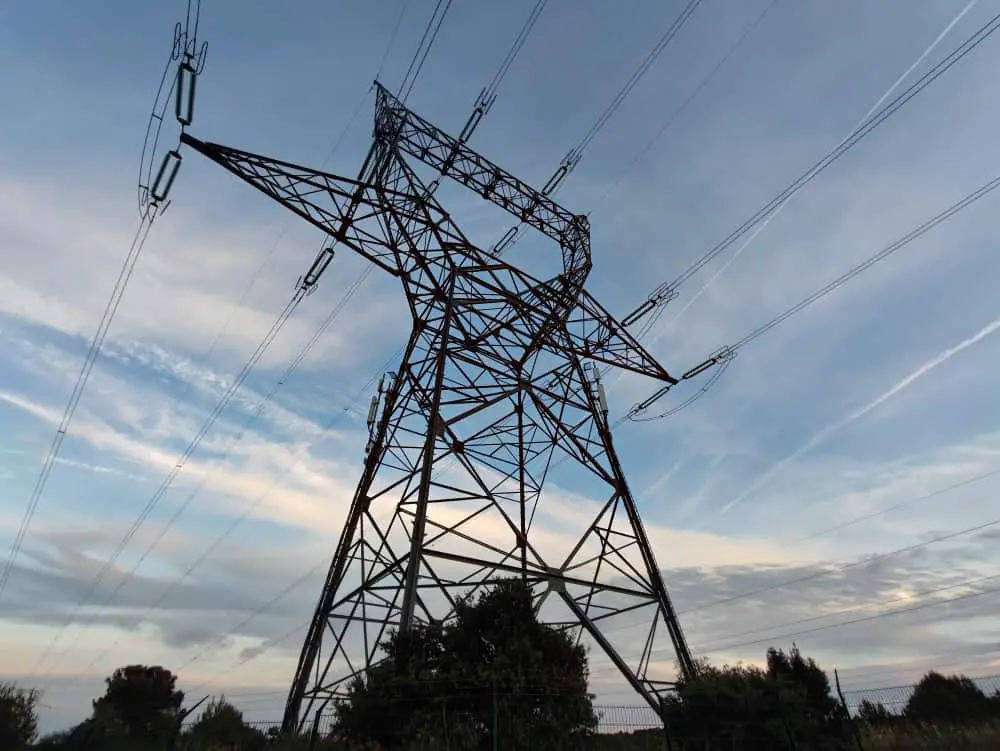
(872, 720)
(895, 698)
(889, 719)
(612, 719)
(882, 719)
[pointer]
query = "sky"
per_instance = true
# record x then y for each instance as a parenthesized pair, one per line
(833, 488)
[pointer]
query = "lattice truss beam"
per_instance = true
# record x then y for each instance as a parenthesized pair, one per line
(494, 386)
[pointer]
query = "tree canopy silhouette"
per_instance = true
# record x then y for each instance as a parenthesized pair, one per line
(139, 701)
(948, 700)
(492, 670)
(18, 716)
(221, 724)
(758, 709)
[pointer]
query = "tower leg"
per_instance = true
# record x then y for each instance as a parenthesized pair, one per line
(447, 499)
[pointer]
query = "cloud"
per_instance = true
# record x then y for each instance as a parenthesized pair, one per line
(223, 261)
(859, 413)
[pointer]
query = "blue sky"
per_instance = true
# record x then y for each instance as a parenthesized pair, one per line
(882, 393)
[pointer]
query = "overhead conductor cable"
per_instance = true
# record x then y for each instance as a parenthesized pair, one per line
(155, 200)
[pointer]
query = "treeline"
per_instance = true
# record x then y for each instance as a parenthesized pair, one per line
(494, 677)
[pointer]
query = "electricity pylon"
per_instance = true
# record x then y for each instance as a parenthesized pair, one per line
(498, 378)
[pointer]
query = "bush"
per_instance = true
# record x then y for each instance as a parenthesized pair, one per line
(18, 717)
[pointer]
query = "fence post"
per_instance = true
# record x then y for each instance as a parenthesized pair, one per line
(666, 730)
(496, 719)
(792, 744)
(847, 712)
(314, 734)
(444, 723)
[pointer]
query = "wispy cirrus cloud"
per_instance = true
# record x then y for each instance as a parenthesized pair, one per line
(825, 442)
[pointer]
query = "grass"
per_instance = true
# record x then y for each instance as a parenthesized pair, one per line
(985, 737)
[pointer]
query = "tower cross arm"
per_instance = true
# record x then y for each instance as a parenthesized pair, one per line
(341, 207)
(410, 133)
(596, 335)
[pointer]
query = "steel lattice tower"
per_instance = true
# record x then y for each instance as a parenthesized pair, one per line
(497, 380)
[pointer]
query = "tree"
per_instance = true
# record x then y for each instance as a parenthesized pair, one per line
(139, 701)
(947, 700)
(874, 713)
(493, 668)
(18, 716)
(222, 723)
(818, 716)
(752, 708)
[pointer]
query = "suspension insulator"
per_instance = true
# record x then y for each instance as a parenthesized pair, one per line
(638, 313)
(644, 405)
(565, 167)
(470, 125)
(507, 240)
(184, 103)
(432, 187)
(166, 176)
(318, 267)
(723, 355)
(698, 369)
(557, 177)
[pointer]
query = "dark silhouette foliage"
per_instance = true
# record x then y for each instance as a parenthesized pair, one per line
(18, 716)
(875, 713)
(758, 709)
(139, 700)
(493, 669)
(221, 725)
(954, 699)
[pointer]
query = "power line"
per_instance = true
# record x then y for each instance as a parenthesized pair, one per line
(181, 461)
(429, 36)
(897, 506)
(869, 124)
(637, 75)
(868, 673)
(246, 370)
(153, 201)
(677, 112)
(392, 37)
(667, 291)
(515, 48)
(885, 253)
(772, 215)
(977, 38)
(852, 609)
(847, 566)
(877, 616)
(867, 561)
(572, 159)
(110, 309)
(516, 45)
(263, 608)
(298, 457)
(255, 414)
(272, 642)
(730, 351)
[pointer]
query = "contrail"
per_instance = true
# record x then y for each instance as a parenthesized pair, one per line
(660, 481)
(857, 414)
(763, 225)
(919, 60)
